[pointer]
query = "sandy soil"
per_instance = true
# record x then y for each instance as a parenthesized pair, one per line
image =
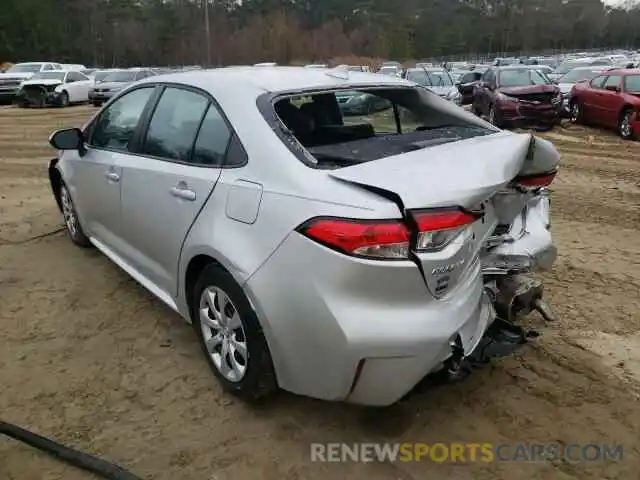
(90, 358)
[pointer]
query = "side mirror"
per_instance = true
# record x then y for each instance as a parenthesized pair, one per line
(612, 88)
(67, 139)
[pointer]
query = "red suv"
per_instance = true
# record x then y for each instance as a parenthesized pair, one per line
(612, 99)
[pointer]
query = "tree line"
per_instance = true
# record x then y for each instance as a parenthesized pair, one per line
(227, 32)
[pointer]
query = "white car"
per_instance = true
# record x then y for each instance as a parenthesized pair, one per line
(60, 88)
(10, 80)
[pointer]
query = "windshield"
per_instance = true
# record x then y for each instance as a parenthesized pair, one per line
(430, 78)
(568, 66)
(632, 83)
(25, 68)
(120, 77)
(48, 76)
(521, 78)
(578, 75)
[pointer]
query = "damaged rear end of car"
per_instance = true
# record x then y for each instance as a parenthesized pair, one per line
(426, 289)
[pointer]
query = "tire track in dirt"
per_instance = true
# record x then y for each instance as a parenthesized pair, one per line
(92, 358)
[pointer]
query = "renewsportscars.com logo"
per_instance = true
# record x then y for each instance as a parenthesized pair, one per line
(465, 452)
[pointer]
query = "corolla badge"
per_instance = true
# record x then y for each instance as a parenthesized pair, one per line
(448, 268)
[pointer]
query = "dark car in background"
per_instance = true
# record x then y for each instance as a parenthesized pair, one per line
(515, 96)
(116, 81)
(466, 85)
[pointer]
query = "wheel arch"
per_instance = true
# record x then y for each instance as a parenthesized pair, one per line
(55, 181)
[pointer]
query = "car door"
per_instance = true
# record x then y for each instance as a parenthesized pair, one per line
(167, 184)
(79, 87)
(610, 101)
(94, 177)
(590, 99)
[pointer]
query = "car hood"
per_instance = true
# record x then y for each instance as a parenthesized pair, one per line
(43, 81)
(113, 85)
(15, 76)
(461, 173)
(528, 89)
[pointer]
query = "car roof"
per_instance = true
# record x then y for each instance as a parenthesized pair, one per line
(259, 80)
(624, 71)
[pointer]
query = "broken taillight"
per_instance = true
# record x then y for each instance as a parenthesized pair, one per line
(438, 228)
(384, 239)
(388, 239)
(536, 181)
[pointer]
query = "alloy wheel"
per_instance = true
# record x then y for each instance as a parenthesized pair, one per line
(69, 212)
(575, 112)
(223, 334)
(625, 126)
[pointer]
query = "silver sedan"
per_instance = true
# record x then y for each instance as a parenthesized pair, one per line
(329, 254)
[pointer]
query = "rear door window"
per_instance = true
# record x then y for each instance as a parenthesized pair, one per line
(174, 125)
(632, 83)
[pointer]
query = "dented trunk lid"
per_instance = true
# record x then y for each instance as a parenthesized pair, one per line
(462, 174)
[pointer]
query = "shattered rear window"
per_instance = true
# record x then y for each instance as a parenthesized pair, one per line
(341, 128)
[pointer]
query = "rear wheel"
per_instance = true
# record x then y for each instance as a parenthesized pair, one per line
(624, 125)
(492, 116)
(230, 335)
(71, 220)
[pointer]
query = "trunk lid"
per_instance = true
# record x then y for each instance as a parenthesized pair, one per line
(463, 173)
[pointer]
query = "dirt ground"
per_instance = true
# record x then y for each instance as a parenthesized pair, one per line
(90, 358)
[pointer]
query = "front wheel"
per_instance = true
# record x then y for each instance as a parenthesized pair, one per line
(230, 336)
(64, 99)
(576, 112)
(71, 220)
(624, 126)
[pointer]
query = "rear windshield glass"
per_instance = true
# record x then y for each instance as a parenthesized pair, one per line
(120, 77)
(25, 68)
(349, 127)
(632, 83)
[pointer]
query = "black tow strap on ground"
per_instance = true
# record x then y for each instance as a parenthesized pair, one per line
(78, 459)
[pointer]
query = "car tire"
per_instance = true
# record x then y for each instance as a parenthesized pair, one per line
(71, 220)
(97, 104)
(64, 99)
(575, 113)
(491, 118)
(231, 336)
(624, 125)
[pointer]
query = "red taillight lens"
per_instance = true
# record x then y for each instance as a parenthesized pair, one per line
(384, 239)
(438, 228)
(536, 181)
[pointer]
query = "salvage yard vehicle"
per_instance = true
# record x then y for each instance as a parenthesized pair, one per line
(57, 88)
(115, 81)
(567, 81)
(338, 258)
(438, 80)
(514, 97)
(612, 99)
(11, 79)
